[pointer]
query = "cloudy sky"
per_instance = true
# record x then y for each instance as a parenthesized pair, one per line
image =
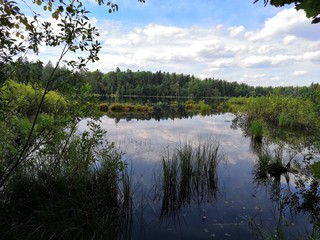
(234, 40)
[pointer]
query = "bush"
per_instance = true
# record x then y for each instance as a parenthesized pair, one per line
(256, 128)
(315, 168)
(66, 190)
(26, 98)
(103, 107)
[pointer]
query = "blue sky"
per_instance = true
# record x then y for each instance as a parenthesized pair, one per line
(232, 40)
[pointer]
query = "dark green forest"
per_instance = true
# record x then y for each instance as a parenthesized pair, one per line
(140, 83)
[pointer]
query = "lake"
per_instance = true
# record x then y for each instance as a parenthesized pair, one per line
(240, 206)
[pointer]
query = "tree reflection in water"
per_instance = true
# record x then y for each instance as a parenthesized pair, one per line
(292, 191)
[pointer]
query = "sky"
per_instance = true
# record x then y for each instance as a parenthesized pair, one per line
(233, 40)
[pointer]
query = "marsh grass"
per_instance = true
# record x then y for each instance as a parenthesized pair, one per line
(189, 175)
(103, 107)
(272, 164)
(201, 106)
(315, 168)
(80, 192)
(256, 129)
(130, 107)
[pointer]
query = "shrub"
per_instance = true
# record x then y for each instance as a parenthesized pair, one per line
(26, 98)
(256, 128)
(315, 168)
(103, 107)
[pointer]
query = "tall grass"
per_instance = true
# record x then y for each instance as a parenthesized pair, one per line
(189, 174)
(69, 193)
(272, 163)
(315, 168)
(256, 129)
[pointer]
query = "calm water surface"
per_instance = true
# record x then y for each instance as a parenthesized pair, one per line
(240, 208)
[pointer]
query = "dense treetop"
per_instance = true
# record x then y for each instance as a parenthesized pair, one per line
(140, 83)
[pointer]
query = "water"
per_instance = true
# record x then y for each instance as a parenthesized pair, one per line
(240, 208)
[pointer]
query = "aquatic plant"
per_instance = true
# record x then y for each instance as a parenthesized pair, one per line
(256, 129)
(70, 190)
(272, 163)
(315, 168)
(189, 174)
(103, 107)
(280, 111)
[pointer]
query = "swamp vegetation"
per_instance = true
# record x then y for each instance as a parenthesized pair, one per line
(75, 182)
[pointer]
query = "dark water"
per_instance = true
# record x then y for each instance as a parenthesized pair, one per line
(241, 206)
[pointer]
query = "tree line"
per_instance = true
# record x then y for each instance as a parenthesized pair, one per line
(140, 83)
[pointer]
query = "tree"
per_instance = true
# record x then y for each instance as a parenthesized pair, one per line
(311, 7)
(22, 31)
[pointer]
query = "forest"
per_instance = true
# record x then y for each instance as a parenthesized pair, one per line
(141, 83)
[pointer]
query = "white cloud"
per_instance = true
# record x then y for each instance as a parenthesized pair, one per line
(266, 49)
(235, 31)
(299, 73)
(265, 56)
(256, 61)
(312, 56)
(288, 39)
(289, 22)
(212, 52)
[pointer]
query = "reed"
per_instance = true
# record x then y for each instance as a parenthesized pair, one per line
(189, 174)
(74, 194)
(256, 129)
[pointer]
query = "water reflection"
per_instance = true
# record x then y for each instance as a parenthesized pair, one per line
(189, 176)
(237, 200)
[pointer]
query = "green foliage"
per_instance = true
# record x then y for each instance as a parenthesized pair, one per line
(316, 169)
(66, 192)
(204, 108)
(256, 128)
(292, 112)
(24, 99)
(189, 174)
(201, 105)
(271, 164)
(74, 30)
(103, 107)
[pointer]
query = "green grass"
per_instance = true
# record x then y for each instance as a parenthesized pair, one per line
(256, 128)
(63, 194)
(201, 106)
(189, 173)
(271, 164)
(315, 168)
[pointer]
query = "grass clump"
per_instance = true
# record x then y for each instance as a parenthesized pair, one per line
(315, 168)
(269, 164)
(67, 190)
(200, 106)
(128, 107)
(190, 173)
(256, 129)
(103, 107)
(280, 111)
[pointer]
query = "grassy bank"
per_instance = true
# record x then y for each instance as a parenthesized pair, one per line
(280, 111)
